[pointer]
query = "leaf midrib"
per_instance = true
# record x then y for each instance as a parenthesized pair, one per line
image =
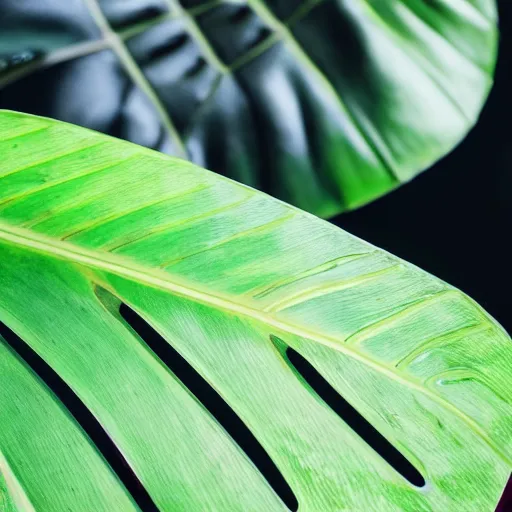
(162, 280)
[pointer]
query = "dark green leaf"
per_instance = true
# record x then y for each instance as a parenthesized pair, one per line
(325, 104)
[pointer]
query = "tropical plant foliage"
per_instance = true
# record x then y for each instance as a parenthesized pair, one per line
(123, 270)
(325, 104)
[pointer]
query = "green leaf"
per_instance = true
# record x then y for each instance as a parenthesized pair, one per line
(324, 104)
(264, 302)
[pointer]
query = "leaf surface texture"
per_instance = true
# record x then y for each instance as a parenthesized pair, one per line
(326, 104)
(248, 291)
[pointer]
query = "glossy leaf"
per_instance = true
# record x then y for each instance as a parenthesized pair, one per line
(362, 382)
(325, 104)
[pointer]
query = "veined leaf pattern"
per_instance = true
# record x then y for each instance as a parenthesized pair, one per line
(326, 104)
(230, 278)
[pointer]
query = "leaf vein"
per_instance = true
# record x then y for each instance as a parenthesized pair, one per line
(159, 279)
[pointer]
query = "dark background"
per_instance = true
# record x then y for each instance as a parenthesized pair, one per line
(454, 220)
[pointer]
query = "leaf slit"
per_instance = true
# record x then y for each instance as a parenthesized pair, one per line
(213, 403)
(354, 419)
(83, 417)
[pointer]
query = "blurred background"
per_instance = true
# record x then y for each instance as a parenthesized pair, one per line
(455, 219)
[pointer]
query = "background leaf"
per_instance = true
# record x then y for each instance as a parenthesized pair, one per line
(325, 104)
(296, 325)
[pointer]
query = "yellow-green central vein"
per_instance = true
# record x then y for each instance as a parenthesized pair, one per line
(159, 279)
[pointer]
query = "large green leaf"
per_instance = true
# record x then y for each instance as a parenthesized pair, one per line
(325, 104)
(254, 294)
